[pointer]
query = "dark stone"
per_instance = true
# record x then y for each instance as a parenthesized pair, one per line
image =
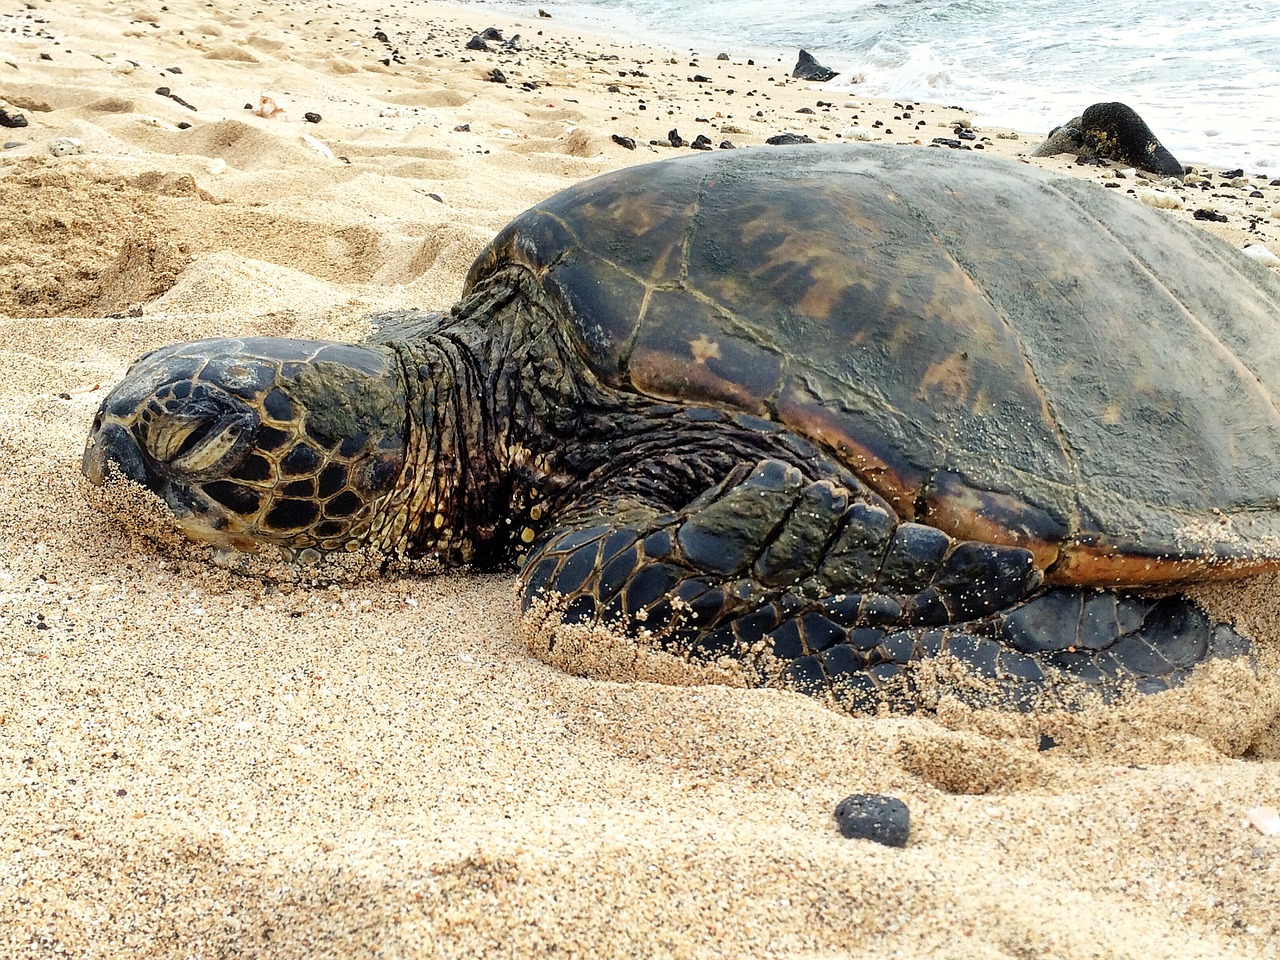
(874, 816)
(807, 68)
(1231, 174)
(948, 142)
(180, 102)
(512, 44)
(311, 117)
(1047, 742)
(476, 43)
(674, 138)
(381, 37)
(1212, 215)
(805, 110)
(11, 119)
(728, 145)
(184, 125)
(622, 141)
(701, 142)
(1111, 131)
(786, 139)
(699, 78)
(491, 33)
(497, 76)
(613, 88)
(722, 56)
(543, 14)
(164, 92)
(173, 69)
(10, 144)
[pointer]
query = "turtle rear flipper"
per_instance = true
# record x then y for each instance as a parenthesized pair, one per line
(819, 588)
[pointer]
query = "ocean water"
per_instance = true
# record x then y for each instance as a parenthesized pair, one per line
(1205, 77)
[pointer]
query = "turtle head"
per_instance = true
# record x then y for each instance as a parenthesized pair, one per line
(259, 441)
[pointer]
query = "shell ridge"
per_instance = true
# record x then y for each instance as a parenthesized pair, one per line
(1230, 355)
(1059, 433)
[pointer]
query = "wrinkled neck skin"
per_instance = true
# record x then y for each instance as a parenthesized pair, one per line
(508, 428)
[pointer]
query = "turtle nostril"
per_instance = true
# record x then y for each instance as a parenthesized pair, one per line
(110, 447)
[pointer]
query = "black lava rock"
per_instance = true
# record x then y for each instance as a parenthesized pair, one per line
(807, 68)
(1111, 131)
(163, 92)
(699, 78)
(311, 117)
(497, 76)
(701, 142)
(477, 43)
(786, 139)
(491, 33)
(184, 125)
(674, 138)
(722, 56)
(1231, 174)
(1211, 215)
(873, 816)
(622, 141)
(11, 119)
(728, 145)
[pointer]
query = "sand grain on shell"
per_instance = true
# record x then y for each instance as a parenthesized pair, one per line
(199, 763)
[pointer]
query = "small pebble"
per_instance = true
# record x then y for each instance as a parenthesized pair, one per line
(11, 119)
(1266, 820)
(1256, 251)
(786, 139)
(65, 146)
(1160, 199)
(622, 141)
(873, 816)
(311, 117)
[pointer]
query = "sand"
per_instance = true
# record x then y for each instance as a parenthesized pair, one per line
(197, 763)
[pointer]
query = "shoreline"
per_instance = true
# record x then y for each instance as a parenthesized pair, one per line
(197, 763)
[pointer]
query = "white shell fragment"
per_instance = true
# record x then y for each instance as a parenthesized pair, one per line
(65, 146)
(317, 146)
(1257, 251)
(217, 166)
(1160, 199)
(1266, 820)
(856, 132)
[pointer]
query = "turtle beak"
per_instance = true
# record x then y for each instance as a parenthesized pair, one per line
(110, 445)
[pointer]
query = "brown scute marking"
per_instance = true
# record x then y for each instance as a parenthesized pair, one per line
(876, 464)
(742, 373)
(968, 514)
(1106, 566)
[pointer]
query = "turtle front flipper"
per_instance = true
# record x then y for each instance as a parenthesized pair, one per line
(818, 587)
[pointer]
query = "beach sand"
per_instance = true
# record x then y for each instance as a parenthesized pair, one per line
(196, 763)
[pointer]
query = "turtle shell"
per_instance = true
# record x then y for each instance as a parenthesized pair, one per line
(1006, 354)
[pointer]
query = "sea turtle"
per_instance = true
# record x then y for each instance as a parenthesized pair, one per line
(822, 412)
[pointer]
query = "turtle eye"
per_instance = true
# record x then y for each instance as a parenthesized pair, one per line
(200, 435)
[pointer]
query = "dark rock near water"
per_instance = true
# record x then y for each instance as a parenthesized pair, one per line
(11, 119)
(491, 33)
(477, 43)
(622, 141)
(786, 139)
(674, 138)
(728, 145)
(722, 56)
(1111, 131)
(701, 142)
(699, 78)
(807, 68)
(1211, 215)
(873, 816)
(542, 13)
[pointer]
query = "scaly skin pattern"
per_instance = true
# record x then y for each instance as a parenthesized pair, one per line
(689, 477)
